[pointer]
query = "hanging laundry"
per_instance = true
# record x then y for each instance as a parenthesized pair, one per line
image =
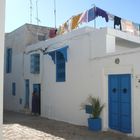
(102, 13)
(91, 14)
(110, 17)
(63, 28)
(136, 29)
(59, 30)
(52, 33)
(127, 26)
(74, 21)
(83, 17)
(117, 21)
(66, 27)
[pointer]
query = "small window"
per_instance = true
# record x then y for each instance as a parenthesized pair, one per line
(9, 60)
(59, 58)
(20, 101)
(35, 63)
(13, 88)
(60, 67)
(41, 37)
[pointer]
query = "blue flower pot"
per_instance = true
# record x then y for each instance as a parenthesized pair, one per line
(94, 124)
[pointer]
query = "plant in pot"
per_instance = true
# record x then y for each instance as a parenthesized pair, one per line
(94, 107)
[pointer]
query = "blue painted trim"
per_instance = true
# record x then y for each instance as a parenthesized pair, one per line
(64, 52)
(61, 50)
(52, 54)
(35, 63)
(88, 109)
(9, 60)
(27, 92)
(60, 67)
(13, 88)
(20, 101)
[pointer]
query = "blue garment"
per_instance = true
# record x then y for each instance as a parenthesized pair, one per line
(91, 14)
(117, 21)
(35, 104)
(102, 13)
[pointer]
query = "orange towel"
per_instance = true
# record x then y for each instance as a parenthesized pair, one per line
(74, 21)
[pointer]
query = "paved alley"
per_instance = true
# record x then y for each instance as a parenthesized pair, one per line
(18, 126)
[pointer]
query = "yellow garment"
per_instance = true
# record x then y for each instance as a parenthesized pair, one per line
(74, 21)
(63, 28)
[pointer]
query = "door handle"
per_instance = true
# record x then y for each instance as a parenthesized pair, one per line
(114, 90)
(125, 90)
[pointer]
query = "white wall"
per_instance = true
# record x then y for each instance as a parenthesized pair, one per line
(12, 102)
(129, 63)
(62, 100)
(98, 43)
(2, 19)
(18, 40)
(86, 76)
(90, 60)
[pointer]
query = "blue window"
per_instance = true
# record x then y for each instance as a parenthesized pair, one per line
(35, 63)
(60, 67)
(20, 101)
(9, 60)
(59, 58)
(13, 88)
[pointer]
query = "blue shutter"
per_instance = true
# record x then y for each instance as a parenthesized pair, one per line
(27, 93)
(13, 88)
(59, 58)
(9, 60)
(60, 67)
(35, 63)
(64, 52)
(32, 64)
(52, 54)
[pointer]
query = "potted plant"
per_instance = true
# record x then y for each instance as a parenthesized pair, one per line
(94, 108)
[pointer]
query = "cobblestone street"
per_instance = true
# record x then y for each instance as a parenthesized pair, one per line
(19, 126)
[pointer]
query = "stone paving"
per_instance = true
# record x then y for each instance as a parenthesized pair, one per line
(19, 126)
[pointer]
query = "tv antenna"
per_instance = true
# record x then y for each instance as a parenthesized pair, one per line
(37, 19)
(55, 13)
(31, 8)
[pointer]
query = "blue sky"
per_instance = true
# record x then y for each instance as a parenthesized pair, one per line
(18, 11)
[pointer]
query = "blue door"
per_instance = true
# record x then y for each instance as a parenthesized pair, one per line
(37, 89)
(120, 102)
(27, 93)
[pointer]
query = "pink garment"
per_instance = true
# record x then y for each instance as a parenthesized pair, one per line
(127, 26)
(83, 17)
(52, 33)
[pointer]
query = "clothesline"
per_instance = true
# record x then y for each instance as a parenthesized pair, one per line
(92, 14)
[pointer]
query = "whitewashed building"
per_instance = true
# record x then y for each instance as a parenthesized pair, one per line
(15, 45)
(67, 69)
(2, 22)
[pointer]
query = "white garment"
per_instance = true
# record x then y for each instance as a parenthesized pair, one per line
(136, 29)
(127, 26)
(110, 17)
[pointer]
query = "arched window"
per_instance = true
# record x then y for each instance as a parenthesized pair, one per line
(59, 58)
(60, 67)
